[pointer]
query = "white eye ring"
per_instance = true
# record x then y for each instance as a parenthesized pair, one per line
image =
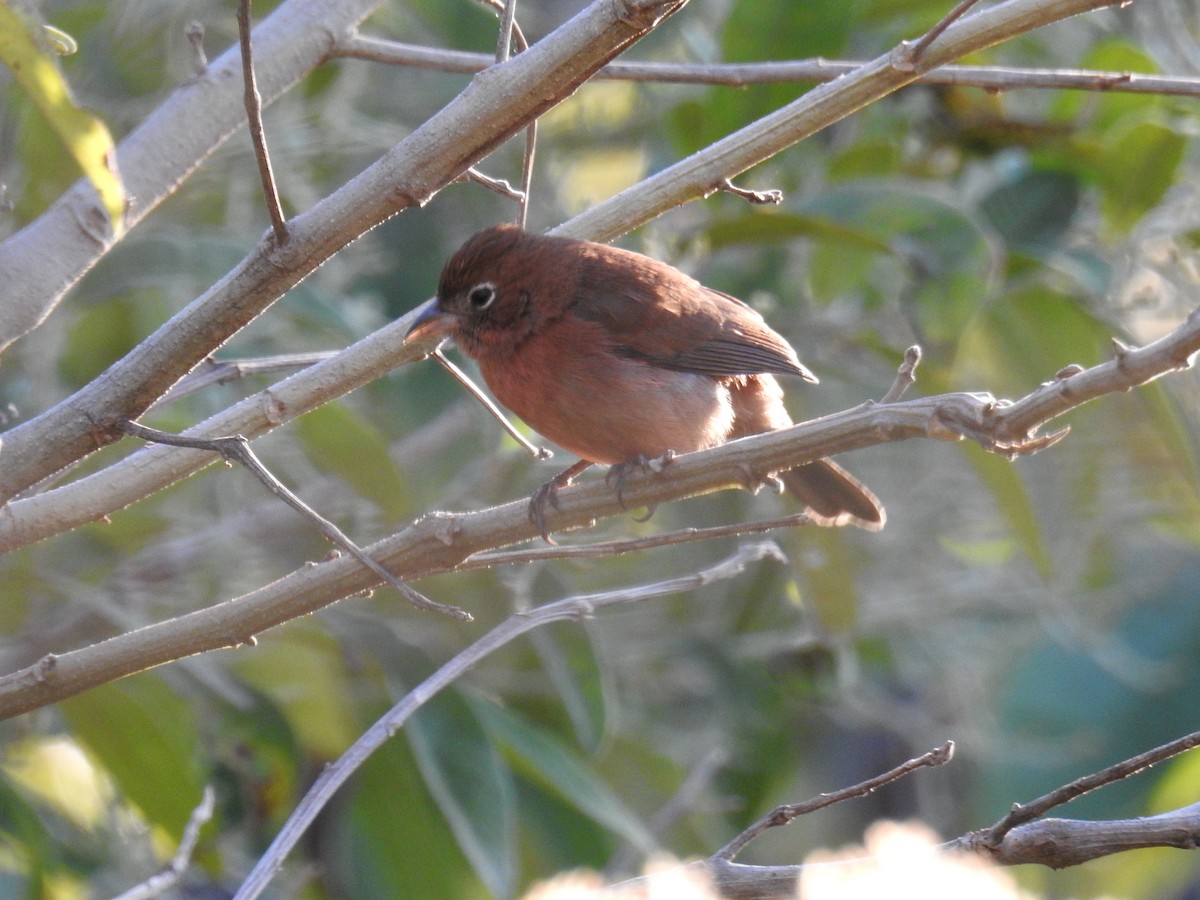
(482, 295)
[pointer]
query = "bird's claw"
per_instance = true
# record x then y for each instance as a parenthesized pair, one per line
(537, 507)
(617, 475)
(549, 492)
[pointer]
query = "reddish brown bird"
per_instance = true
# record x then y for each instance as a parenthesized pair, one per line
(618, 357)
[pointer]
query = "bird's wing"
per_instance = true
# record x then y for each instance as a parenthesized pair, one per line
(687, 327)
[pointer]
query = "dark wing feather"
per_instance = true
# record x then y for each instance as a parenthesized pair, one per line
(661, 316)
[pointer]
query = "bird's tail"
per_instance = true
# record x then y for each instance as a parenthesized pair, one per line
(834, 496)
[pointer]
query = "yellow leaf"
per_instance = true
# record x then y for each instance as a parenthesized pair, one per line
(85, 136)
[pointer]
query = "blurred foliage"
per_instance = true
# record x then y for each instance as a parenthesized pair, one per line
(1040, 612)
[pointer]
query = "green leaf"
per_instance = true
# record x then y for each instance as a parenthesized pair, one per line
(1136, 169)
(473, 788)
(545, 759)
(145, 737)
(775, 226)
(569, 661)
(1033, 210)
(339, 441)
(301, 667)
(1012, 499)
(940, 255)
(85, 136)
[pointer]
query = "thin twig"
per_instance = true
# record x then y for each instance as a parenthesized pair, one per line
(606, 549)
(569, 609)
(194, 32)
(758, 197)
(990, 78)
(782, 815)
(499, 185)
(905, 376)
(223, 371)
(486, 401)
(1027, 812)
(912, 52)
(508, 18)
(163, 881)
(253, 101)
(510, 33)
(680, 804)
(527, 172)
(236, 448)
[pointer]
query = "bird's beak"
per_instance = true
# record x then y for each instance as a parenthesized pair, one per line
(430, 322)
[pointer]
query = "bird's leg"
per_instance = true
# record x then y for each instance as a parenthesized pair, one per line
(549, 491)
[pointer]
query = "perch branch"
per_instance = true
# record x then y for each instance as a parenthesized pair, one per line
(441, 542)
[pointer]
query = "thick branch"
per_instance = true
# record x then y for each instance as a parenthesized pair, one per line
(1059, 843)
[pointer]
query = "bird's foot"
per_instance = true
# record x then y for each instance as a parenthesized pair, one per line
(548, 492)
(618, 474)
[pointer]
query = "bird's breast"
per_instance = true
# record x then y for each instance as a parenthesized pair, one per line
(567, 382)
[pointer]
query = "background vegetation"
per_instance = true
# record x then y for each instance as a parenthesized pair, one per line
(1041, 613)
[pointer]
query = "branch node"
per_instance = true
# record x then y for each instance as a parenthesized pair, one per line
(905, 375)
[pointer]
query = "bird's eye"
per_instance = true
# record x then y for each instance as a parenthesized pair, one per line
(482, 295)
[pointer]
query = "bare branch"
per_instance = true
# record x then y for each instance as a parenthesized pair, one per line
(912, 52)
(160, 153)
(761, 198)
(702, 172)
(905, 375)
(159, 884)
(235, 448)
(486, 402)
(802, 71)
(1001, 426)
(1059, 843)
(782, 815)
(194, 32)
(605, 549)
(253, 102)
(1022, 813)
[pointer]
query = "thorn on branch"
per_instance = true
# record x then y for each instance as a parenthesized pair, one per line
(772, 197)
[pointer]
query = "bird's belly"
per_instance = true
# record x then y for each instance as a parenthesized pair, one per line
(606, 408)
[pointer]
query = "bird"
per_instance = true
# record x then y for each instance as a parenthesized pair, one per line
(620, 358)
